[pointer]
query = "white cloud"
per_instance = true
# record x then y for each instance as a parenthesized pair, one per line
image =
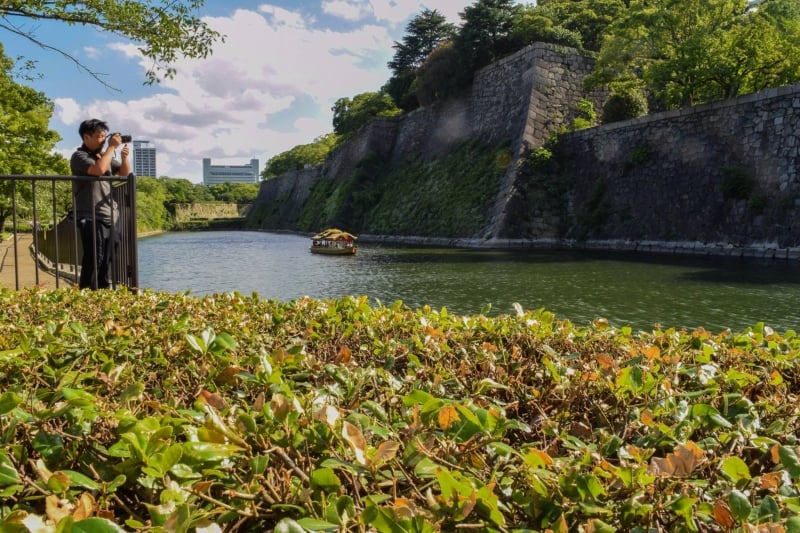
(91, 52)
(267, 88)
(68, 111)
(347, 9)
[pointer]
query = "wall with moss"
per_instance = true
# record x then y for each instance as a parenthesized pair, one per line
(721, 178)
(362, 184)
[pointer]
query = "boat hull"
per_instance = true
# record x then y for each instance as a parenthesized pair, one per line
(332, 250)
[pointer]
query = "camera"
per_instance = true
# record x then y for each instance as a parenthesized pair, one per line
(125, 138)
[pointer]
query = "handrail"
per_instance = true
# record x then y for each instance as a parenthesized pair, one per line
(56, 247)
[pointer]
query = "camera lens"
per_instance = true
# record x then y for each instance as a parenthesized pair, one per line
(126, 138)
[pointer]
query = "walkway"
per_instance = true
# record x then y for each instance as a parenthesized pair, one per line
(26, 268)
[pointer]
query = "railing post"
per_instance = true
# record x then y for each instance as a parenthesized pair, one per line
(60, 245)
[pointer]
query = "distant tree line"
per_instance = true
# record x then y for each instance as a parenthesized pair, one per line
(651, 54)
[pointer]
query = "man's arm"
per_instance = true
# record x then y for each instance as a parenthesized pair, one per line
(102, 165)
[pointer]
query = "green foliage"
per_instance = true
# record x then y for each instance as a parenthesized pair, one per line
(298, 157)
(588, 19)
(182, 191)
(450, 196)
(485, 34)
(151, 205)
(625, 102)
(442, 75)
(234, 193)
(424, 33)
(351, 114)
(28, 143)
(165, 31)
(693, 51)
(585, 115)
(531, 25)
(172, 412)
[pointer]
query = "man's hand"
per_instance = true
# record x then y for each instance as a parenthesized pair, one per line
(114, 141)
(125, 151)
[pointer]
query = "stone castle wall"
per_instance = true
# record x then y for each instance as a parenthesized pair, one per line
(520, 100)
(654, 183)
(663, 182)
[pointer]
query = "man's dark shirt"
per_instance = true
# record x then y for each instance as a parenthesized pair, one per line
(89, 193)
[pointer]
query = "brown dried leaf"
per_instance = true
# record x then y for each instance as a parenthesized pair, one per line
(228, 376)
(722, 514)
(679, 463)
(387, 450)
(344, 356)
(85, 507)
(214, 400)
(771, 481)
(605, 361)
(56, 508)
(448, 415)
(357, 442)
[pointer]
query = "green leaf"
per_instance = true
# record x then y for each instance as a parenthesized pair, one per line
(790, 461)
(96, 525)
(315, 524)
(793, 525)
(325, 479)
(8, 401)
(198, 345)
(8, 474)
(132, 392)
(740, 505)
(769, 510)
(382, 519)
(735, 469)
(80, 480)
(210, 451)
(287, 525)
(77, 397)
(223, 341)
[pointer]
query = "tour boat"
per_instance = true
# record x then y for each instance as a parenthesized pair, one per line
(333, 241)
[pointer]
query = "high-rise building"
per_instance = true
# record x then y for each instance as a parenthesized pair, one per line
(144, 159)
(217, 174)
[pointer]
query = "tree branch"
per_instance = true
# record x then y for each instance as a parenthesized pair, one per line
(78, 63)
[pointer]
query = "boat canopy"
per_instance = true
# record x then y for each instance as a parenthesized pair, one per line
(334, 234)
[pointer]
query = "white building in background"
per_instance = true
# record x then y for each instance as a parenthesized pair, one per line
(217, 174)
(144, 159)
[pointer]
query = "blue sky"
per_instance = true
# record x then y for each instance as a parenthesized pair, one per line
(268, 88)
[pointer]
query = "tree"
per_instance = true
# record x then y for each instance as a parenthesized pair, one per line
(687, 52)
(28, 143)
(443, 75)
(532, 25)
(235, 193)
(183, 191)
(423, 34)
(485, 34)
(351, 114)
(298, 157)
(166, 29)
(587, 18)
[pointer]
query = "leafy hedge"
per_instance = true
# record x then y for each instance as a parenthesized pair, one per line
(176, 413)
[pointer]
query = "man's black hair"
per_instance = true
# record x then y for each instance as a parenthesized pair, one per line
(92, 125)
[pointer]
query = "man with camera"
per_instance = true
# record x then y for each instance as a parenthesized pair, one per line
(96, 211)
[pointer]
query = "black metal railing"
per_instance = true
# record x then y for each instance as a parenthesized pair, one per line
(44, 205)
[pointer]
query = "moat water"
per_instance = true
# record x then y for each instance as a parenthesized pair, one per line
(627, 289)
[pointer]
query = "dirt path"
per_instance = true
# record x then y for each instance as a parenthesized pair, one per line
(18, 270)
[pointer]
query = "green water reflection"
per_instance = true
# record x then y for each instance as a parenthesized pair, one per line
(626, 289)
